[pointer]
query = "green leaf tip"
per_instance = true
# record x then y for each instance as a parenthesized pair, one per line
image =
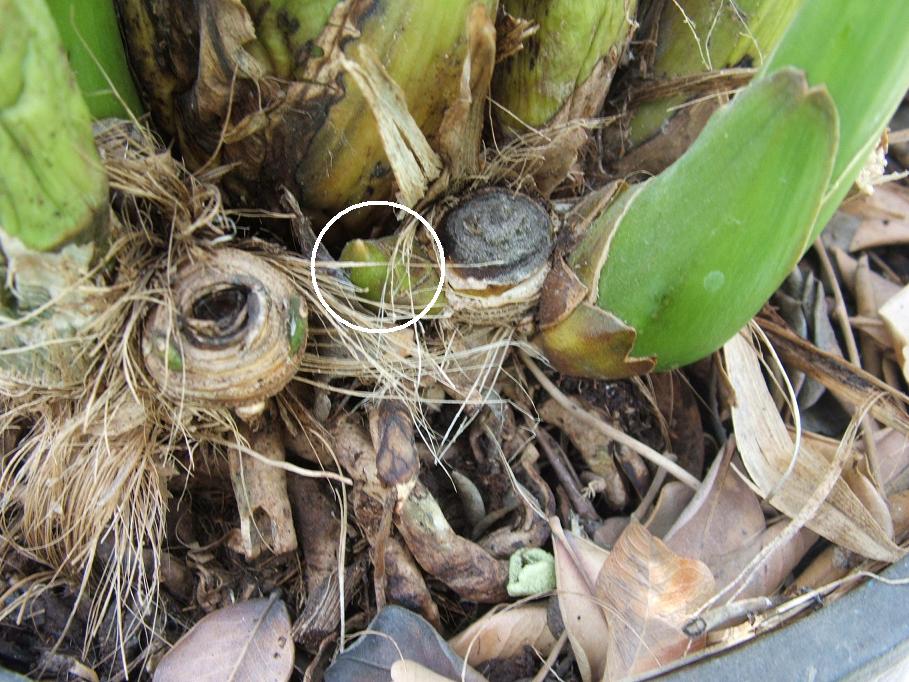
(703, 245)
(685, 259)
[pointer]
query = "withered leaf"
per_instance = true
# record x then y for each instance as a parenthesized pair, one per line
(397, 634)
(649, 593)
(767, 450)
(895, 314)
(578, 562)
(722, 525)
(246, 641)
(885, 217)
(503, 634)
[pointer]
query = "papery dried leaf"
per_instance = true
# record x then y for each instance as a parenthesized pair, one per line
(848, 382)
(679, 407)
(884, 289)
(770, 575)
(397, 634)
(405, 670)
(767, 449)
(673, 498)
(895, 314)
(722, 526)
(885, 217)
(578, 563)
(649, 592)
(504, 634)
(856, 478)
(246, 641)
(892, 449)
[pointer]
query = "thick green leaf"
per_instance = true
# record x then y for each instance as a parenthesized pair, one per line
(859, 50)
(701, 247)
(95, 50)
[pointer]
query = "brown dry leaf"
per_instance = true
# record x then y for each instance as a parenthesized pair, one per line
(673, 498)
(892, 448)
(895, 314)
(885, 217)
(504, 634)
(405, 670)
(767, 450)
(245, 641)
(855, 476)
(883, 288)
(847, 382)
(578, 562)
(679, 407)
(722, 526)
(649, 592)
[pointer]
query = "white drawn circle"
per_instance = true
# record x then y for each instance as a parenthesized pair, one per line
(378, 330)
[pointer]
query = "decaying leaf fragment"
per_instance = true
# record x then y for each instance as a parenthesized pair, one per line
(895, 314)
(578, 563)
(245, 642)
(724, 527)
(503, 634)
(767, 451)
(648, 592)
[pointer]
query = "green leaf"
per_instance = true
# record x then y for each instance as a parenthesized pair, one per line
(95, 50)
(699, 248)
(859, 50)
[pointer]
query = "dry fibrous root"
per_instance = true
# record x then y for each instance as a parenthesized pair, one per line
(84, 486)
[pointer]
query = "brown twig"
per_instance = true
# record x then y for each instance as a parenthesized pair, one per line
(552, 451)
(609, 430)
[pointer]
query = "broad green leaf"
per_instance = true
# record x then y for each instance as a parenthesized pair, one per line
(95, 50)
(699, 248)
(859, 50)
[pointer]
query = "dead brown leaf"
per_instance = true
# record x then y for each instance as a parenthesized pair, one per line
(883, 288)
(723, 524)
(849, 383)
(504, 634)
(673, 498)
(678, 405)
(649, 593)
(578, 563)
(892, 449)
(885, 217)
(767, 451)
(245, 641)
(895, 314)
